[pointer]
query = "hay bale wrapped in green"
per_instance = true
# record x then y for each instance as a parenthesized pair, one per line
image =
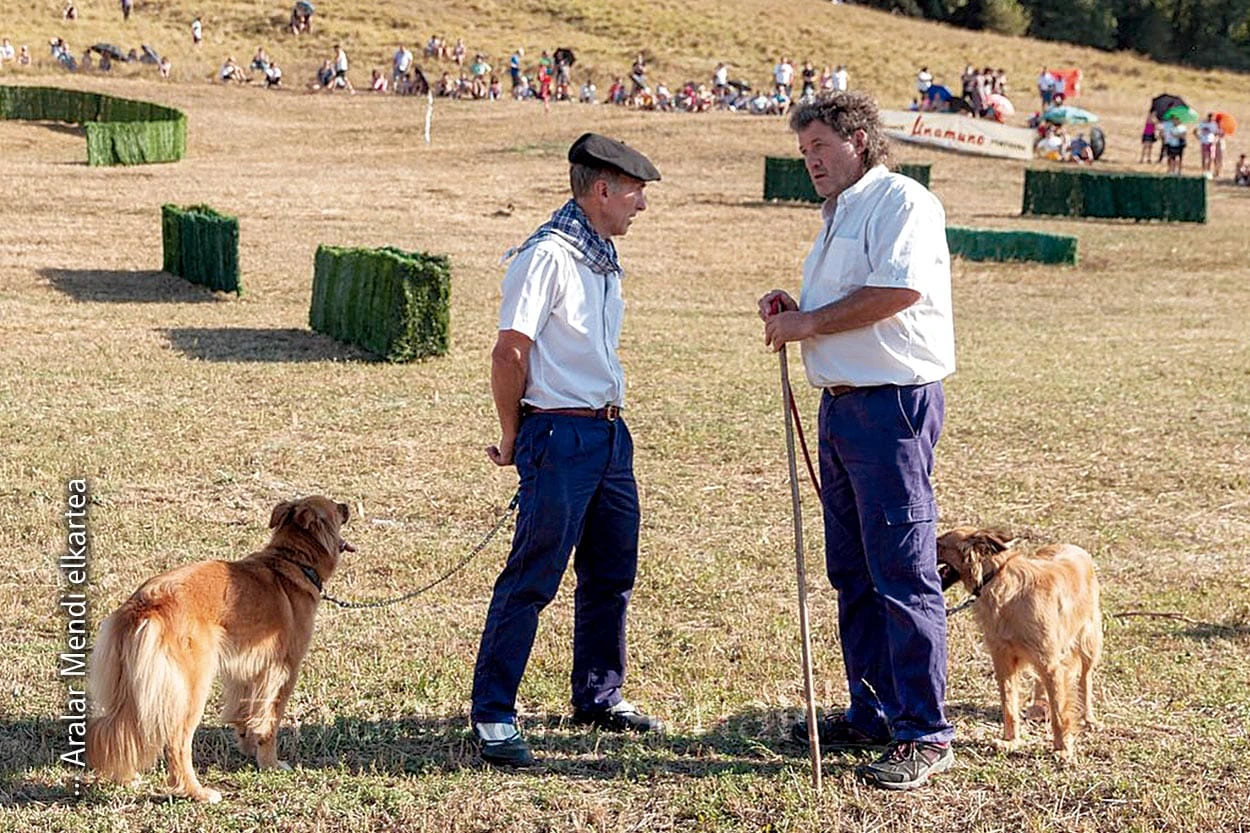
(1115, 195)
(202, 246)
(786, 178)
(120, 131)
(915, 170)
(393, 303)
(990, 244)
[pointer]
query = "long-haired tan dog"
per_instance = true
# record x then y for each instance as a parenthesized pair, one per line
(1036, 609)
(249, 620)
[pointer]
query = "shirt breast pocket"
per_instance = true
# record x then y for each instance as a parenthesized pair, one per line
(846, 261)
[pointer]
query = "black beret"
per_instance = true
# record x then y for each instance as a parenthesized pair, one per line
(595, 151)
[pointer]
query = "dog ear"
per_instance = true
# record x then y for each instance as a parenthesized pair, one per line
(990, 541)
(281, 513)
(344, 514)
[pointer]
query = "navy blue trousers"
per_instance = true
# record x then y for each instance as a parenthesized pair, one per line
(876, 459)
(577, 493)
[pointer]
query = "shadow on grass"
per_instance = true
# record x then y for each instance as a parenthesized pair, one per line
(126, 287)
(247, 344)
(754, 742)
(748, 742)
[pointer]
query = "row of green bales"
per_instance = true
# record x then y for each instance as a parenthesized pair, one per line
(120, 131)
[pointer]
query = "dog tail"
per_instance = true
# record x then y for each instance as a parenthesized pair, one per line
(137, 695)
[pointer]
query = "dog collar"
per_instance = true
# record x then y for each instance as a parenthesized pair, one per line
(311, 575)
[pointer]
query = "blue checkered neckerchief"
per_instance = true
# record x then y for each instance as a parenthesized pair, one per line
(570, 224)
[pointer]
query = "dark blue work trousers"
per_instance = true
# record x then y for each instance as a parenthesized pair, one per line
(876, 458)
(577, 493)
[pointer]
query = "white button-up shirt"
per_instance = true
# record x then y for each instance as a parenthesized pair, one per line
(573, 315)
(885, 230)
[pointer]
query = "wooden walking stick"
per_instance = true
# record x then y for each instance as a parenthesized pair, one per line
(813, 735)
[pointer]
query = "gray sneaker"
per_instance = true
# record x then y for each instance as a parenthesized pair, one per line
(907, 764)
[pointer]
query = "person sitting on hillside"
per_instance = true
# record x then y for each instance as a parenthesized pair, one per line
(1241, 176)
(231, 71)
(260, 60)
(1080, 151)
(1050, 145)
(617, 92)
(273, 75)
(325, 75)
(663, 97)
(377, 83)
(165, 67)
(587, 94)
(7, 52)
(71, 11)
(23, 56)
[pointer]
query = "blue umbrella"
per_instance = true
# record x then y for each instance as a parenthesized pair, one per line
(1069, 115)
(937, 91)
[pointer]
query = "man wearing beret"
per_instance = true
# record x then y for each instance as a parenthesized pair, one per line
(559, 392)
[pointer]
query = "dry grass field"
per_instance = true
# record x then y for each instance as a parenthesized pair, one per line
(1105, 404)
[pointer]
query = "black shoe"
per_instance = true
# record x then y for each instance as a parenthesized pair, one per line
(513, 752)
(907, 764)
(619, 719)
(838, 734)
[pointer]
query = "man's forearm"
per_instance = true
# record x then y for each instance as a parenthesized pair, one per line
(860, 309)
(508, 374)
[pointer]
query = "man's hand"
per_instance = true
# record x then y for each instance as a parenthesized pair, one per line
(776, 301)
(784, 327)
(502, 454)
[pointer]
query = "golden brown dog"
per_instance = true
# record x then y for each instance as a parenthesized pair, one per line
(249, 620)
(1036, 609)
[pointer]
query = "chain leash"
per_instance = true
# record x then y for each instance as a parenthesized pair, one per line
(503, 519)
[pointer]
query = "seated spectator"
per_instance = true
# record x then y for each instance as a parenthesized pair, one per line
(495, 91)
(231, 71)
(663, 97)
(617, 93)
(106, 62)
(1050, 145)
(273, 75)
(71, 11)
(86, 62)
(377, 83)
(61, 53)
(522, 90)
(23, 56)
(132, 57)
(1241, 176)
(446, 87)
(260, 60)
(7, 52)
(760, 104)
(587, 94)
(165, 66)
(1079, 151)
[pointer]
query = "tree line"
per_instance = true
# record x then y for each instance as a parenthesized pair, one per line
(1201, 33)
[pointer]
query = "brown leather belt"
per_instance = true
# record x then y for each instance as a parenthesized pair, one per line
(838, 390)
(610, 412)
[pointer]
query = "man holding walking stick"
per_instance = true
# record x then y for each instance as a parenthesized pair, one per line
(874, 323)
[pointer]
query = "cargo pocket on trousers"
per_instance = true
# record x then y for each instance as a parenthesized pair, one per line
(910, 538)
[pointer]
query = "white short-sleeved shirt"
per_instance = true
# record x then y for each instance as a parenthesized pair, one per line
(1208, 132)
(885, 230)
(573, 315)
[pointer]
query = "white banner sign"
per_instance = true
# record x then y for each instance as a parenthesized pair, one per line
(959, 132)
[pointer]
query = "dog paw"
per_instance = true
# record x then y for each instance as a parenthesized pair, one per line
(207, 795)
(1064, 757)
(283, 766)
(1092, 725)
(1004, 745)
